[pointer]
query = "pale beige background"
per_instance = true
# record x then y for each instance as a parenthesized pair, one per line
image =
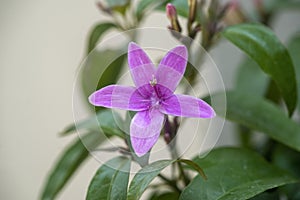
(41, 46)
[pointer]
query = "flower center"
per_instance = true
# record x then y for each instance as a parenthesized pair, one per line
(153, 82)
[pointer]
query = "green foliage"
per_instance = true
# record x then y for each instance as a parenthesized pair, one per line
(118, 5)
(68, 163)
(103, 121)
(146, 5)
(110, 181)
(294, 49)
(234, 173)
(263, 46)
(101, 68)
(250, 78)
(145, 176)
(96, 34)
(259, 114)
(165, 196)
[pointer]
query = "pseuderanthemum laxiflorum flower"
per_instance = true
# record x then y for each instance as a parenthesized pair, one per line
(153, 96)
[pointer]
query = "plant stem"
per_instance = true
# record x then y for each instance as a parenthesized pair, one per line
(171, 183)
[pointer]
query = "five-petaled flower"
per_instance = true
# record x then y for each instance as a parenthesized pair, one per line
(153, 96)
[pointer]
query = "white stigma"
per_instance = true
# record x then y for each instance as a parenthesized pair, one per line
(153, 82)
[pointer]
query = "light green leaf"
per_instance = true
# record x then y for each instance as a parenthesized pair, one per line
(250, 78)
(147, 5)
(96, 34)
(68, 163)
(144, 177)
(110, 181)
(101, 68)
(118, 5)
(294, 49)
(259, 114)
(262, 45)
(104, 120)
(234, 173)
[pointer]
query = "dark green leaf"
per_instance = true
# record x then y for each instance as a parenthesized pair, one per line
(165, 196)
(110, 181)
(259, 114)
(105, 120)
(250, 78)
(234, 173)
(262, 45)
(294, 49)
(288, 160)
(96, 34)
(68, 163)
(144, 177)
(195, 166)
(101, 68)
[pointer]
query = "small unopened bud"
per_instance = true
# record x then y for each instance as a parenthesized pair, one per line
(167, 137)
(172, 16)
(103, 8)
(234, 14)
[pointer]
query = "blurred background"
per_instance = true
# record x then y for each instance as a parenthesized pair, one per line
(41, 46)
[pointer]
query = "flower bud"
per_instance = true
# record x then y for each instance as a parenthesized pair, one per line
(172, 16)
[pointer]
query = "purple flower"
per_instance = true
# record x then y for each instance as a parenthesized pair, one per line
(153, 96)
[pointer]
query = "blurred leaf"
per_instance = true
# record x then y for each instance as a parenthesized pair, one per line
(68, 163)
(118, 5)
(110, 181)
(259, 114)
(267, 196)
(263, 46)
(144, 176)
(288, 160)
(146, 5)
(101, 68)
(234, 173)
(250, 78)
(277, 5)
(294, 49)
(104, 120)
(165, 196)
(96, 34)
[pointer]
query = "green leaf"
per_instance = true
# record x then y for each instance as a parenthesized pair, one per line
(104, 120)
(289, 160)
(96, 34)
(259, 114)
(101, 68)
(234, 173)
(144, 177)
(118, 5)
(68, 163)
(165, 196)
(247, 71)
(146, 5)
(294, 49)
(262, 45)
(277, 5)
(110, 181)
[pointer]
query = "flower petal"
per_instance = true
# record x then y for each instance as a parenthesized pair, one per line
(122, 97)
(145, 129)
(187, 106)
(141, 67)
(172, 67)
